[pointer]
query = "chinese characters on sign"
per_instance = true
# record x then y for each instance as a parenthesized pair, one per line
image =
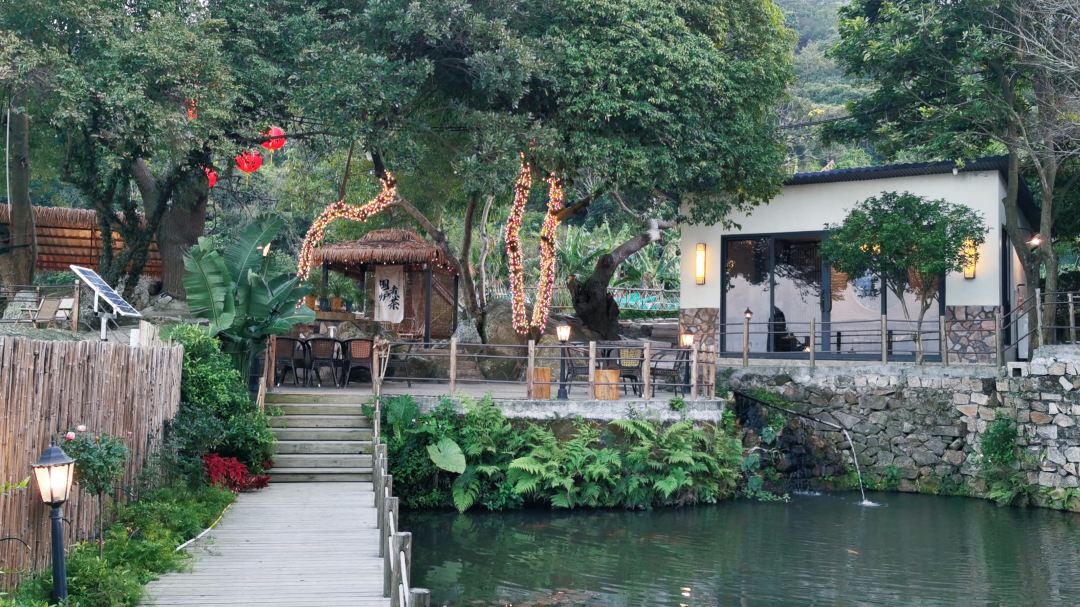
(390, 294)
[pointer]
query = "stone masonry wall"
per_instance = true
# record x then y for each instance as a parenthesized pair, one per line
(925, 422)
(703, 322)
(971, 336)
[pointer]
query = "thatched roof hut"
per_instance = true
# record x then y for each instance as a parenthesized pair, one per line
(73, 236)
(393, 246)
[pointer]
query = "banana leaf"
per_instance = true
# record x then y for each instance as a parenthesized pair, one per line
(209, 286)
(246, 252)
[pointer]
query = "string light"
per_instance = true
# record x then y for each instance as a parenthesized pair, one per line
(340, 210)
(548, 248)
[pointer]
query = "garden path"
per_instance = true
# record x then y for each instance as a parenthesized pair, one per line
(291, 544)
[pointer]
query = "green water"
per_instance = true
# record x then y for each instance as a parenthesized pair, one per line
(815, 550)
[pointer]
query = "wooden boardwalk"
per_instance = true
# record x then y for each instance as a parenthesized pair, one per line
(291, 544)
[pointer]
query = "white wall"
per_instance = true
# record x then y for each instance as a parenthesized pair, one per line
(807, 208)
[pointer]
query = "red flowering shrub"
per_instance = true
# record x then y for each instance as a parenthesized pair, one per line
(228, 472)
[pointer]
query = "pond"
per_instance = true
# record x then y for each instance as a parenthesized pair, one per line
(813, 550)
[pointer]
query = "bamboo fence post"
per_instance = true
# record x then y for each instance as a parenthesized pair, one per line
(530, 369)
(592, 369)
(453, 364)
(693, 370)
(884, 339)
(646, 370)
(813, 344)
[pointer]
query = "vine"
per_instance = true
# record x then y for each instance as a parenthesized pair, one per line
(341, 210)
(512, 236)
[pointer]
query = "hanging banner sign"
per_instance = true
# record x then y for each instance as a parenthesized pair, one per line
(390, 294)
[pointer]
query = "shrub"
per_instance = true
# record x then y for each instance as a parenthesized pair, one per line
(998, 467)
(229, 473)
(216, 413)
(99, 461)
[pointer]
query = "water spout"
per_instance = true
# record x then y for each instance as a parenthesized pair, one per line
(855, 458)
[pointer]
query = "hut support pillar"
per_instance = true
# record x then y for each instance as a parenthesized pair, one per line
(427, 305)
(456, 287)
(324, 301)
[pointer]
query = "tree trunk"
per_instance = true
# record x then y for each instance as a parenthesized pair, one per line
(180, 229)
(592, 303)
(1048, 178)
(17, 262)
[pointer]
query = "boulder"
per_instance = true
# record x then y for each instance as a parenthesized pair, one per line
(499, 331)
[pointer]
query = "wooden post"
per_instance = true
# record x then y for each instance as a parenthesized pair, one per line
(999, 341)
(884, 339)
(592, 369)
(530, 367)
(943, 341)
(746, 342)
(646, 370)
(402, 543)
(427, 305)
(1039, 317)
(75, 309)
(419, 597)
(453, 364)
(813, 343)
(694, 370)
(389, 564)
(1072, 319)
(376, 369)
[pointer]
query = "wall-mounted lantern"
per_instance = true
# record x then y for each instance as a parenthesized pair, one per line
(971, 257)
(699, 263)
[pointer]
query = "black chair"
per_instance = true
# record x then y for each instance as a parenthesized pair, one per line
(357, 355)
(289, 355)
(323, 352)
(672, 367)
(577, 365)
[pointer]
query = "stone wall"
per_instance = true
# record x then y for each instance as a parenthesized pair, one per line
(657, 409)
(703, 322)
(971, 337)
(924, 423)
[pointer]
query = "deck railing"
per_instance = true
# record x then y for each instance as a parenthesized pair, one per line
(23, 303)
(395, 546)
(543, 371)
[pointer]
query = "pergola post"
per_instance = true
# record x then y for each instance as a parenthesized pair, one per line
(456, 286)
(324, 301)
(427, 305)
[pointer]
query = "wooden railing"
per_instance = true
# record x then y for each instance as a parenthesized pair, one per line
(395, 546)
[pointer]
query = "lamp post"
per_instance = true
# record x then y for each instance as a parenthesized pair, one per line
(54, 472)
(563, 333)
(747, 315)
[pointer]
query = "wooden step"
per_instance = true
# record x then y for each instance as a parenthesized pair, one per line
(321, 460)
(320, 421)
(322, 434)
(319, 409)
(287, 447)
(322, 398)
(307, 475)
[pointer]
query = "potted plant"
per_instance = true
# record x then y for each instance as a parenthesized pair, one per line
(337, 287)
(350, 294)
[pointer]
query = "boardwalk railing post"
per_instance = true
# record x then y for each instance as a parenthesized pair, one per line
(406, 552)
(592, 369)
(419, 597)
(812, 345)
(386, 538)
(530, 369)
(694, 370)
(943, 341)
(646, 371)
(397, 544)
(453, 364)
(884, 339)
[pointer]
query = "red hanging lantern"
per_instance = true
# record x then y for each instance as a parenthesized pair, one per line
(276, 138)
(192, 111)
(249, 161)
(211, 176)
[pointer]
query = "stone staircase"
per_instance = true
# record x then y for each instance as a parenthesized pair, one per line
(321, 436)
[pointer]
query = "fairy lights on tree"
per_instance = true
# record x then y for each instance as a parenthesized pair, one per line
(340, 210)
(512, 235)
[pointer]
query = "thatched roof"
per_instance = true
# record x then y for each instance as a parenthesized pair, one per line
(387, 247)
(73, 236)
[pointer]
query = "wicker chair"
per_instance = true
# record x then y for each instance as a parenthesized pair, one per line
(289, 355)
(357, 355)
(630, 363)
(323, 352)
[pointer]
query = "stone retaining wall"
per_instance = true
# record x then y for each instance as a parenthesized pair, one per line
(600, 410)
(924, 423)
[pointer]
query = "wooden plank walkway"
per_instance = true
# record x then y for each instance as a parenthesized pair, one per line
(294, 544)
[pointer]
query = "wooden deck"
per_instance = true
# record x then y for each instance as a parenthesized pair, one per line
(291, 544)
(508, 391)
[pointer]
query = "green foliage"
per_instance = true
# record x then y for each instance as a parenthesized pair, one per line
(677, 403)
(1060, 498)
(998, 465)
(243, 296)
(627, 463)
(998, 443)
(216, 413)
(139, 546)
(99, 461)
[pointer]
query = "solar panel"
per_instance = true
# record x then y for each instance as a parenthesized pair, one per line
(104, 291)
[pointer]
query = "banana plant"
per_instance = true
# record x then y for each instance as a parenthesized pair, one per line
(239, 293)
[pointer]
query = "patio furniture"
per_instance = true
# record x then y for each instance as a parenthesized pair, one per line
(66, 309)
(630, 363)
(323, 352)
(410, 329)
(46, 311)
(670, 367)
(357, 355)
(289, 355)
(577, 365)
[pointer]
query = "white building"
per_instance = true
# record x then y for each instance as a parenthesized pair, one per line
(770, 265)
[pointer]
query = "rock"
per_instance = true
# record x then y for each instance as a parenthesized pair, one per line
(979, 398)
(957, 444)
(1055, 455)
(1072, 454)
(1056, 369)
(987, 413)
(1049, 479)
(1064, 421)
(953, 431)
(499, 331)
(955, 457)
(1040, 418)
(466, 332)
(1065, 384)
(1047, 431)
(960, 398)
(924, 457)
(968, 410)
(846, 420)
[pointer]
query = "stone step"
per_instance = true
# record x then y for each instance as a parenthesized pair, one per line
(320, 421)
(308, 475)
(322, 434)
(330, 397)
(320, 460)
(288, 447)
(319, 409)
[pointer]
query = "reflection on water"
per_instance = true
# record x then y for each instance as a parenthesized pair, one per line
(815, 550)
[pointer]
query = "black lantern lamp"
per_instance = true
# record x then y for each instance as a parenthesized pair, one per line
(53, 473)
(563, 333)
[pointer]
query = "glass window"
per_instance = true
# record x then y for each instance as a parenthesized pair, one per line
(746, 279)
(855, 314)
(796, 293)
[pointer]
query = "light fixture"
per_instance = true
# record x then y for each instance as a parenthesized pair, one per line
(53, 473)
(686, 339)
(748, 313)
(971, 256)
(1036, 240)
(699, 263)
(563, 333)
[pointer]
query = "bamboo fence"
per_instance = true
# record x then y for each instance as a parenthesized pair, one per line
(50, 387)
